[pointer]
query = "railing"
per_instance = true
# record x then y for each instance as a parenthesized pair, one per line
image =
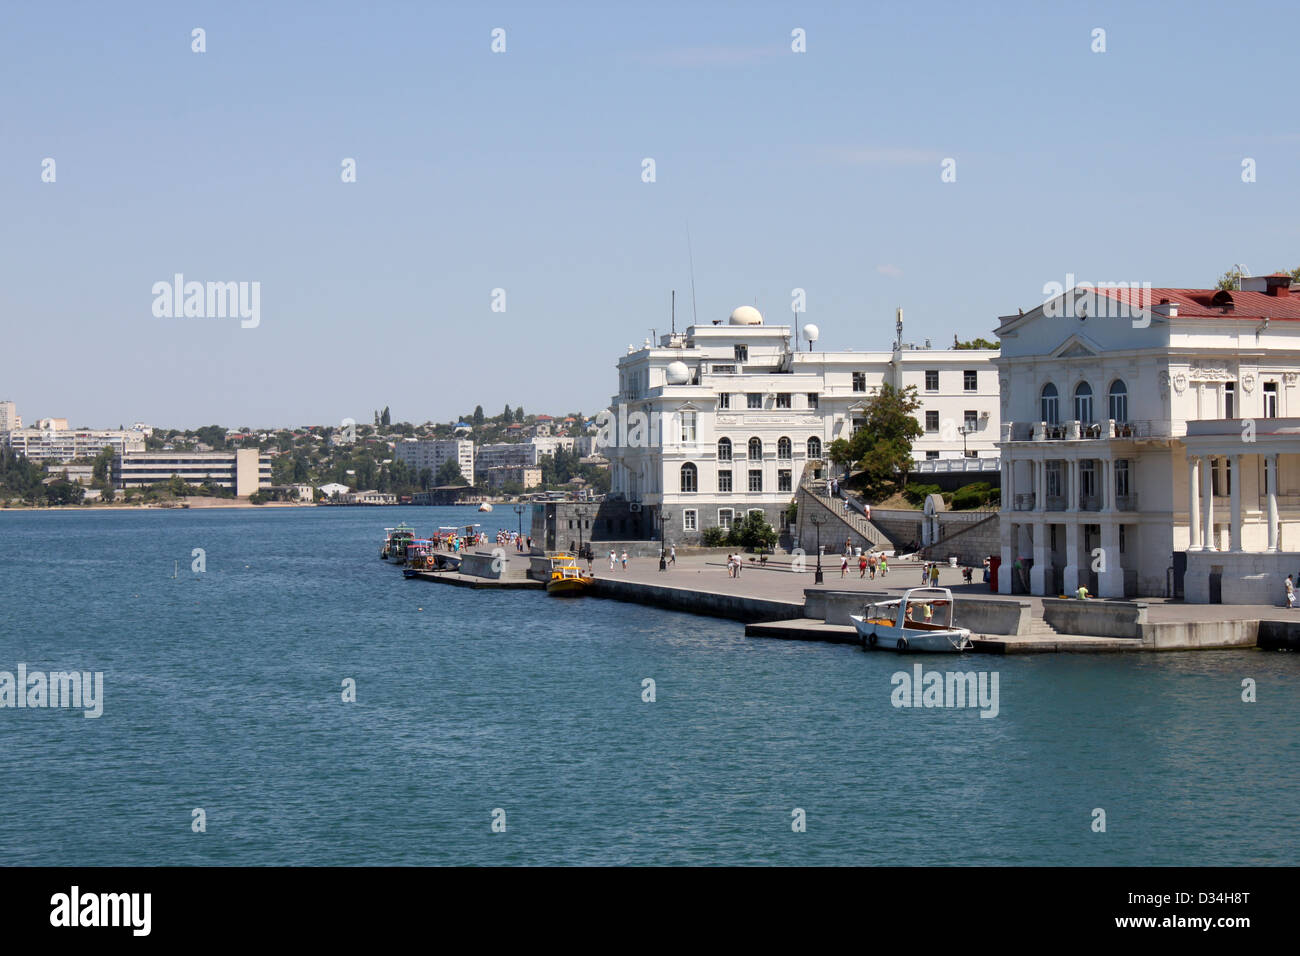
(1056, 502)
(1082, 431)
(1024, 502)
(1126, 502)
(956, 465)
(1089, 502)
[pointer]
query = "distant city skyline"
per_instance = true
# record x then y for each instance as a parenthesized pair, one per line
(524, 171)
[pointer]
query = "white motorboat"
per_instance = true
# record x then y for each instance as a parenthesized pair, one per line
(914, 622)
(484, 506)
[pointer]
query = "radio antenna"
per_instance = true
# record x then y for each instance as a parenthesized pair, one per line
(695, 316)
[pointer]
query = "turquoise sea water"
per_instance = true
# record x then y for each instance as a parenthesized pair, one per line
(222, 690)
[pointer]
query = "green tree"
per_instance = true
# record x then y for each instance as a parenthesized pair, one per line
(519, 414)
(103, 466)
(385, 419)
(975, 343)
(753, 532)
(478, 416)
(882, 447)
(449, 474)
(507, 416)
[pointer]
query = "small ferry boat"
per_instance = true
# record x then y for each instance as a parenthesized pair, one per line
(395, 542)
(910, 623)
(567, 578)
(418, 559)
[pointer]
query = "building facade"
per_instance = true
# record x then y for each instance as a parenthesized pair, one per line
(9, 418)
(722, 420)
(243, 471)
(1156, 451)
(523, 454)
(433, 453)
(65, 444)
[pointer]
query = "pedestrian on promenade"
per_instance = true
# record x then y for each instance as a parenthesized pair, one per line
(884, 565)
(862, 566)
(844, 564)
(612, 559)
(672, 554)
(934, 575)
(848, 546)
(925, 574)
(1290, 592)
(740, 562)
(987, 572)
(591, 557)
(871, 566)
(625, 559)
(1082, 593)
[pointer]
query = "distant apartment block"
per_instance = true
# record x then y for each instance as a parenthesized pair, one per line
(65, 444)
(501, 475)
(9, 419)
(528, 454)
(243, 471)
(433, 453)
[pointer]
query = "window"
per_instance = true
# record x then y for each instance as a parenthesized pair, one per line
(1121, 477)
(689, 477)
(725, 517)
(1050, 405)
(783, 449)
(1230, 400)
(724, 480)
(688, 428)
(932, 380)
(753, 400)
(1053, 479)
(724, 370)
(724, 449)
(931, 421)
(859, 381)
(742, 353)
(812, 399)
(755, 449)
(783, 400)
(814, 447)
(1270, 399)
(689, 521)
(724, 400)
(1087, 479)
(970, 380)
(931, 456)
(970, 420)
(756, 480)
(783, 480)
(1083, 402)
(1117, 402)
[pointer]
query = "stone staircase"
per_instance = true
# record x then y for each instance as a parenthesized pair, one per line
(854, 521)
(1040, 629)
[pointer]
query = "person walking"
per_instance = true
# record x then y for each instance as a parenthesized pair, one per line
(862, 566)
(1290, 592)
(625, 559)
(740, 562)
(613, 558)
(884, 565)
(672, 554)
(871, 566)
(934, 575)
(925, 575)
(844, 564)
(987, 571)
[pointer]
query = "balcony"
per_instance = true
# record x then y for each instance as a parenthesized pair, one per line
(1126, 502)
(1056, 502)
(1024, 502)
(1084, 431)
(1089, 502)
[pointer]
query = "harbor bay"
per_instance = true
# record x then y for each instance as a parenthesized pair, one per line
(223, 690)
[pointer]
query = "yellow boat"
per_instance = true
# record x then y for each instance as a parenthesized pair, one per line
(567, 578)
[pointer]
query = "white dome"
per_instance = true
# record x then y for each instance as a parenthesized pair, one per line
(678, 373)
(747, 315)
(811, 332)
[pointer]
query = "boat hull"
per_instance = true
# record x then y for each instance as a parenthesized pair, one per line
(877, 635)
(567, 587)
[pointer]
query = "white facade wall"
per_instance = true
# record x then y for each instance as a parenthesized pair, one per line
(433, 453)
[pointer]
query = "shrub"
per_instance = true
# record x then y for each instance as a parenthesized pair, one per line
(714, 537)
(917, 493)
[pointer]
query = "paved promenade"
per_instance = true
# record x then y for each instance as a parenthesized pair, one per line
(709, 573)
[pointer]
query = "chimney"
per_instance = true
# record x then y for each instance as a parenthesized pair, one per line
(1276, 285)
(1165, 307)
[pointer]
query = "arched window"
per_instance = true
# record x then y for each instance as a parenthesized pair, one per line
(689, 478)
(1051, 406)
(1118, 403)
(814, 447)
(755, 448)
(1083, 402)
(724, 449)
(784, 450)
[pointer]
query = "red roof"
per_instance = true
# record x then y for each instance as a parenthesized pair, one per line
(1214, 303)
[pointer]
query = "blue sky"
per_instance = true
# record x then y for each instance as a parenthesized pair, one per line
(522, 171)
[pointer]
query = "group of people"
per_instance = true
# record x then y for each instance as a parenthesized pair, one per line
(521, 542)
(667, 556)
(867, 564)
(614, 559)
(734, 563)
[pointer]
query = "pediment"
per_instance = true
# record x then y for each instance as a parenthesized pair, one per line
(1077, 347)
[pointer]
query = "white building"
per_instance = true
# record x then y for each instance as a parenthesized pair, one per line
(334, 489)
(54, 444)
(523, 454)
(433, 453)
(721, 420)
(1139, 445)
(242, 471)
(9, 418)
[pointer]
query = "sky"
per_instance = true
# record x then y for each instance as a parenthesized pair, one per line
(524, 171)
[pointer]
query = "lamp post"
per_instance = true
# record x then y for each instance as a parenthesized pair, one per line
(818, 521)
(519, 510)
(580, 513)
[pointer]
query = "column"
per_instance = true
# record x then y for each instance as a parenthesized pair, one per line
(1040, 485)
(1072, 484)
(1072, 575)
(1110, 578)
(1194, 503)
(1038, 581)
(1006, 538)
(1207, 503)
(1270, 475)
(1234, 475)
(1008, 482)
(1107, 467)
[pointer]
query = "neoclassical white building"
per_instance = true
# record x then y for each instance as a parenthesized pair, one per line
(721, 419)
(1156, 451)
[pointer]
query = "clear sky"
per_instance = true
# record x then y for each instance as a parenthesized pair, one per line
(523, 171)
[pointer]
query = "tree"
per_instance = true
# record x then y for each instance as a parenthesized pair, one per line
(449, 474)
(519, 414)
(975, 343)
(103, 465)
(507, 416)
(385, 419)
(882, 447)
(478, 416)
(753, 532)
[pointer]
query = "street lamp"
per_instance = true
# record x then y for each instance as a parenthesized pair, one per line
(580, 513)
(818, 521)
(519, 510)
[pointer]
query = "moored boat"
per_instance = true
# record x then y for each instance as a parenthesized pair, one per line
(395, 542)
(418, 552)
(908, 623)
(567, 578)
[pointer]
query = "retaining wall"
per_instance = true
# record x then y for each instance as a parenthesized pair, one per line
(732, 606)
(1097, 618)
(981, 615)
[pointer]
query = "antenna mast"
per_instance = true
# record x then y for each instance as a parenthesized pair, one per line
(673, 310)
(695, 316)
